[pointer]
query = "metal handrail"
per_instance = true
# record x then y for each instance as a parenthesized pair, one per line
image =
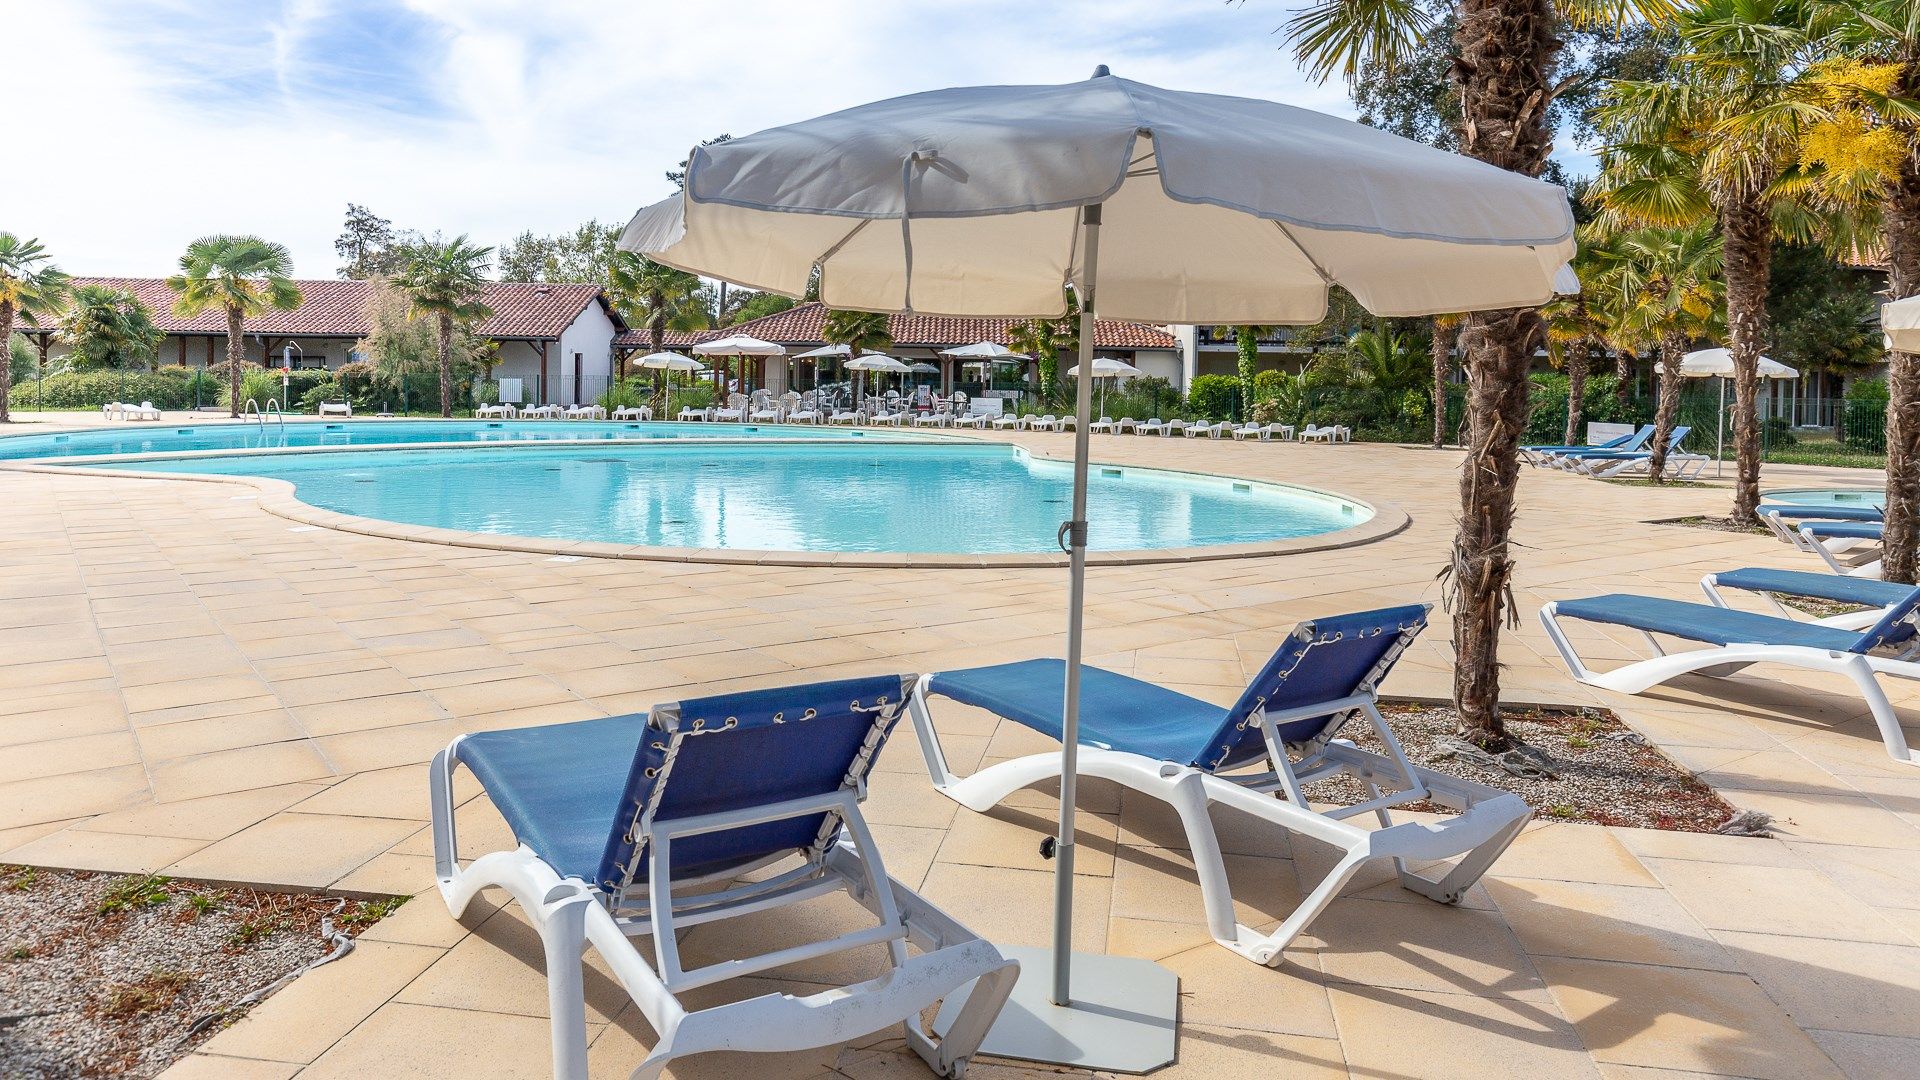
(252, 408)
(273, 407)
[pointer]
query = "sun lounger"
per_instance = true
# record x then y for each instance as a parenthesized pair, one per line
(1847, 547)
(1151, 426)
(1331, 434)
(334, 408)
(146, 410)
(540, 412)
(1541, 456)
(1104, 425)
(735, 409)
(633, 412)
(1190, 753)
(1172, 428)
(1781, 518)
(1739, 639)
(641, 826)
(1873, 595)
(1607, 463)
(493, 412)
(1262, 432)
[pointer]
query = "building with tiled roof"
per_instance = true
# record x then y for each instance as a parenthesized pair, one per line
(556, 339)
(921, 337)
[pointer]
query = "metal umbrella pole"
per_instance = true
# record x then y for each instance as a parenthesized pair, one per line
(1720, 439)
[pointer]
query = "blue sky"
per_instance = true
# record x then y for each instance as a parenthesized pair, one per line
(168, 119)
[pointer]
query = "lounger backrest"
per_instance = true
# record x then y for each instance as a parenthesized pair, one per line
(1323, 660)
(748, 750)
(1895, 626)
(1639, 439)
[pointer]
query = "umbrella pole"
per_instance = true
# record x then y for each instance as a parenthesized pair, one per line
(1074, 532)
(1720, 439)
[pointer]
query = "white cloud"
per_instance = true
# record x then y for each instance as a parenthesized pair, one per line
(162, 120)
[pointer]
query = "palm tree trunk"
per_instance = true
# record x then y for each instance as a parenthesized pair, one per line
(445, 346)
(1577, 359)
(1900, 230)
(1503, 69)
(1442, 365)
(1623, 376)
(1748, 236)
(1671, 348)
(236, 355)
(6, 361)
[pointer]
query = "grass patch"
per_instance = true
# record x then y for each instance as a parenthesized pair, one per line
(151, 993)
(364, 913)
(1641, 481)
(135, 893)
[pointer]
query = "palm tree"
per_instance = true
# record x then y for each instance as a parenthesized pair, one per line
(240, 276)
(1874, 132)
(1576, 325)
(659, 297)
(1503, 69)
(859, 331)
(1445, 331)
(109, 327)
(1720, 141)
(30, 288)
(1670, 292)
(442, 278)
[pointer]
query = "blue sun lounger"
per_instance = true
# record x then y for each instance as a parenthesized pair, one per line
(1782, 518)
(1606, 463)
(1739, 639)
(1190, 753)
(1847, 547)
(1873, 596)
(634, 826)
(1542, 456)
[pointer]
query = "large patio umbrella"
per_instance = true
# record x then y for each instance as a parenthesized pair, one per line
(739, 345)
(873, 361)
(1901, 321)
(1718, 364)
(1153, 205)
(823, 351)
(1107, 367)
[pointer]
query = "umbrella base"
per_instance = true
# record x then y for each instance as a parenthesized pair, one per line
(1121, 1018)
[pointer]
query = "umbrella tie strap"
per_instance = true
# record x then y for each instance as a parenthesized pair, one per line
(1072, 534)
(906, 221)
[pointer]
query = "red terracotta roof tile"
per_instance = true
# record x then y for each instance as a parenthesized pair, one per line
(803, 325)
(333, 308)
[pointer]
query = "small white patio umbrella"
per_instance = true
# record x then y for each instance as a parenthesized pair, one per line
(1718, 364)
(1901, 321)
(667, 361)
(866, 362)
(739, 345)
(817, 354)
(1153, 205)
(1107, 367)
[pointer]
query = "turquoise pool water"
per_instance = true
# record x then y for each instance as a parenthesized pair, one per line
(840, 495)
(1827, 497)
(143, 438)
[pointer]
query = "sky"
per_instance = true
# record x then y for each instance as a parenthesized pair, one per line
(163, 120)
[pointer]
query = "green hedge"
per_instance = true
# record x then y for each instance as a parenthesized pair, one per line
(1863, 426)
(168, 388)
(1214, 397)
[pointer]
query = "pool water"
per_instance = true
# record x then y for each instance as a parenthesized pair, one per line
(1827, 497)
(223, 435)
(842, 495)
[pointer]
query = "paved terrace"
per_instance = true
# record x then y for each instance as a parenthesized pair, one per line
(195, 687)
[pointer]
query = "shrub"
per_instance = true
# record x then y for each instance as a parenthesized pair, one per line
(1269, 384)
(1863, 421)
(1214, 397)
(356, 380)
(327, 391)
(168, 388)
(625, 394)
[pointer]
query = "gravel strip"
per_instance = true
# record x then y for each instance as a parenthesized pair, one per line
(102, 974)
(1608, 775)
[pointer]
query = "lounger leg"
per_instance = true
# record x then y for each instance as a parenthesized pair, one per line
(1451, 887)
(949, 1055)
(1861, 672)
(1270, 949)
(1187, 794)
(562, 920)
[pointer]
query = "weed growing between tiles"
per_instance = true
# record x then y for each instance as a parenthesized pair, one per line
(108, 975)
(1602, 772)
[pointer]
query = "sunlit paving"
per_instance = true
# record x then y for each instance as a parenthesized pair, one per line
(1352, 539)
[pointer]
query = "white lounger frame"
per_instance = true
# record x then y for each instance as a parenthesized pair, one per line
(1721, 661)
(1491, 818)
(1852, 620)
(570, 914)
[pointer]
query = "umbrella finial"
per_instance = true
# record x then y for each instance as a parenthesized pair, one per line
(1100, 72)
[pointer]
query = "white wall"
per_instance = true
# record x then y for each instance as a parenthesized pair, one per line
(1164, 363)
(589, 338)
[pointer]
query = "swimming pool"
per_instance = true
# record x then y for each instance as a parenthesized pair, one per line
(839, 495)
(1827, 497)
(226, 435)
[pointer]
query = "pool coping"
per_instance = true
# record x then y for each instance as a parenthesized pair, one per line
(278, 498)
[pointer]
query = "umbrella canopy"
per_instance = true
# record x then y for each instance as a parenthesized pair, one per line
(1711, 363)
(877, 362)
(739, 345)
(985, 350)
(824, 350)
(1106, 367)
(1901, 321)
(669, 361)
(923, 368)
(1156, 206)
(1408, 229)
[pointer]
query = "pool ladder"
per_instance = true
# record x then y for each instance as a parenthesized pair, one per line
(260, 415)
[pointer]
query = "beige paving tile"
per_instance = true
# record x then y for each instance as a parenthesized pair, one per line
(1712, 1022)
(80, 753)
(303, 850)
(1636, 925)
(1870, 1057)
(1571, 852)
(501, 968)
(211, 817)
(1770, 900)
(1398, 1033)
(1838, 985)
(238, 770)
(302, 1021)
(1018, 904)
(204, 1066)
(1425, 947)
(71, 795)
(413, 1042)
(120, 853)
